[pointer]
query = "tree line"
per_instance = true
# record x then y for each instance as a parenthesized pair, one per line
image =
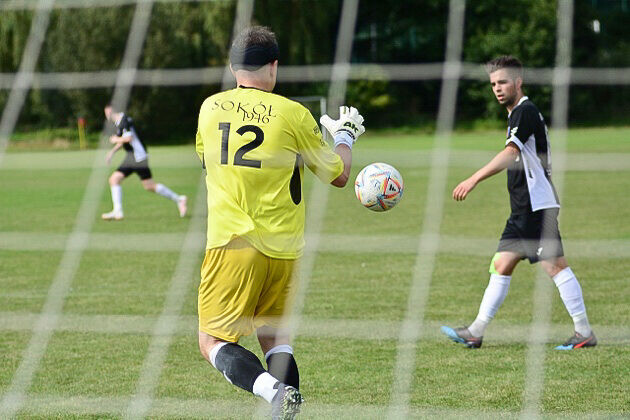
(190, 34)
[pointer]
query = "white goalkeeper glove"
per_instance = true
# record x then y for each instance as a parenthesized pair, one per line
(347, 129)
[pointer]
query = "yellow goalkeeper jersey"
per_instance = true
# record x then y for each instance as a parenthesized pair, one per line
(254, 145)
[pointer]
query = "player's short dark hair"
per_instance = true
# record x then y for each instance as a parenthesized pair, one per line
(512, 64)
(110, 105)
(253, 47)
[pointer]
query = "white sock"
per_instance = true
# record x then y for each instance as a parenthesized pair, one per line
(282, 348)
(213, 353)
(571, 294)
(493, 297)
(116, 197)
(264, 386)
(581, 325)
(164, 191)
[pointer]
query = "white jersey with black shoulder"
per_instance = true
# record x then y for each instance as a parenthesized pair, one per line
(529, 177)
(125, 128)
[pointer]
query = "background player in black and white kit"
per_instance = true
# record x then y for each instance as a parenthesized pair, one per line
(532, 229)
(136, 160)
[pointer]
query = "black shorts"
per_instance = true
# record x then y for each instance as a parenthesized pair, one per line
(534, 236)
(129, 166)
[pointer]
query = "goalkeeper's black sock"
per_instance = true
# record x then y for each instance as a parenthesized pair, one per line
(240, 366)
(283, 366)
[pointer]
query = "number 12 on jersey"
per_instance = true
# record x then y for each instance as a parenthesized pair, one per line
(239, 159)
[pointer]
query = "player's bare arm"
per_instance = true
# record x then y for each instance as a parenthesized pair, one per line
(110, 154)
(346, 156)
(501, 161)
(114, 139)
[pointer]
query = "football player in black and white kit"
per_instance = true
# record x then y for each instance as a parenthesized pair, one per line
(136, 160)
(531, 230)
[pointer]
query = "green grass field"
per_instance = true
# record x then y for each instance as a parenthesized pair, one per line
(347, 343)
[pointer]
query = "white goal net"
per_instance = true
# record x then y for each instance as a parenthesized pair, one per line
(336, 74)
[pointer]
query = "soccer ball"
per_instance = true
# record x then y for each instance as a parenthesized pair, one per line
(379, 186)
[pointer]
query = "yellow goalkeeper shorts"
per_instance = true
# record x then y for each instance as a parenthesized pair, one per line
(242, 289)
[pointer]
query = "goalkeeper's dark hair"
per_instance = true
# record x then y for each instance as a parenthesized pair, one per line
(512, 64)
(254, 47)
(259, 36)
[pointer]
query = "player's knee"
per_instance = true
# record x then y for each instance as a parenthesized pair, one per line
(206, 344)
(113, 180)
(500, 266)
(204, 347)
(554, 266)
(503, 269)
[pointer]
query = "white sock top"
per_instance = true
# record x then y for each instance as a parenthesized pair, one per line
(282, 348)
(214, 351)
(264, 386)
(563, 276)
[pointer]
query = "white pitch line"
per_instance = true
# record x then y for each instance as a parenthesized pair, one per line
(167, 323)
(15, 396)
(24, 78)
(535, 360)
(428, 246)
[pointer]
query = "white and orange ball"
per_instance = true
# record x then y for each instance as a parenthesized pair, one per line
(379, 186)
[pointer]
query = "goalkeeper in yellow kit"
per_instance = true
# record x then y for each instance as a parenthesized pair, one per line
(254, 145)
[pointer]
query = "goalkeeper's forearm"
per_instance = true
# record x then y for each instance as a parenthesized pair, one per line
(346, 157)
